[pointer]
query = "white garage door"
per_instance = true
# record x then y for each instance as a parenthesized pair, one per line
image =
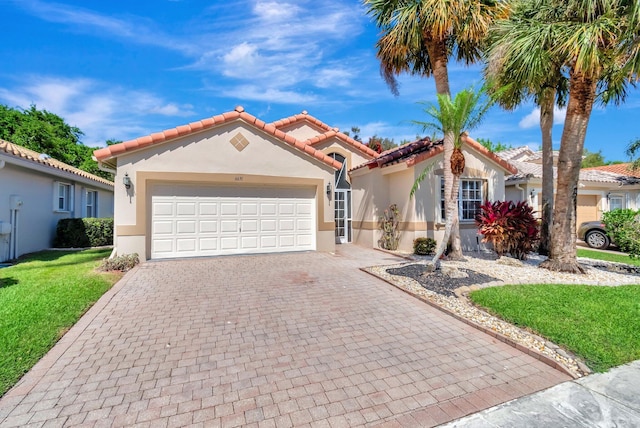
(206, 221)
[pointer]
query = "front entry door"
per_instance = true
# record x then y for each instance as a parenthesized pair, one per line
(342, 205)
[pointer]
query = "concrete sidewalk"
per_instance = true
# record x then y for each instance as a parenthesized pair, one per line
(609, 399)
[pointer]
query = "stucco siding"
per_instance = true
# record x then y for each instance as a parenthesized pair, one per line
(209, 158)
(37, 218)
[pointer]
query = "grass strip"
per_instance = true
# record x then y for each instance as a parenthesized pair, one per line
(609, 257)
(41, 297)
(597, 323)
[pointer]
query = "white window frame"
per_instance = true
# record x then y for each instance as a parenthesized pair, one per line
(619, 197)
(66, 198)
(91, 203)
(479, 182)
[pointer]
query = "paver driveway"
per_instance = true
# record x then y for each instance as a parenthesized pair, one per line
(268, 340)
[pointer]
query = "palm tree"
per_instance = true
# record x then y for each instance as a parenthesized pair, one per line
(596, 43)
(455, 117)
(510, 44)
(419, 37)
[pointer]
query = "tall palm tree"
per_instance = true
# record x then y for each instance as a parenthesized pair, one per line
(511, 44)
(419, 37)
(456, 117)
(596, 42)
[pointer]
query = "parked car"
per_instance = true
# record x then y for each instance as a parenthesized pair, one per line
(594, 234)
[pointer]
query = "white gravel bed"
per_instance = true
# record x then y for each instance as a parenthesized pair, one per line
(526, 272)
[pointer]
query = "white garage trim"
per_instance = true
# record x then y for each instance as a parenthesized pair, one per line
(190, 221)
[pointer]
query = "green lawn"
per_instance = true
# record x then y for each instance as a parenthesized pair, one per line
(609, 257)
(41, 297)
(599, 324)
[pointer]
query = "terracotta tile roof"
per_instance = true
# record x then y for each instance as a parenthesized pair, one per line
(527, 170)
(115, 150)
(301, 117)
(329, 132)
(423, 149)
(21, 152)
(620, 168)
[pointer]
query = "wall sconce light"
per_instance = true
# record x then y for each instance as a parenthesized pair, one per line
(609, 196)
(329, 189)
(532, 194)
(126, 180)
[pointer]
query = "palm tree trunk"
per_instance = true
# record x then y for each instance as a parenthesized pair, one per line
(547, 102)
(451, 190)
(562, 257)
(437, 50)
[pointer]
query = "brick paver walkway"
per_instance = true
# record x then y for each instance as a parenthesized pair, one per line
(270, 340)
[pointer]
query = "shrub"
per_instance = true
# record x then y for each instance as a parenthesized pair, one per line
(510, 227)
(122, 263)
(389, 226)
(83, 232)
(623, 226)
(424, 246)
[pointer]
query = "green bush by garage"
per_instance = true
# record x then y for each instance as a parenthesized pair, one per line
(84, 232)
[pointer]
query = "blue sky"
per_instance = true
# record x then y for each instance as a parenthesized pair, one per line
(121, 70)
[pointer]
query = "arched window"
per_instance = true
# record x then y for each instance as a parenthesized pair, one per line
(341, 175)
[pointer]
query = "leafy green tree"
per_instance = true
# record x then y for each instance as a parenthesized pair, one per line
(46, 132)
(419, 37)
(633, 151)
(493, 147)
(463, 113)
(591, 159)
(354, 133)
(380, 144)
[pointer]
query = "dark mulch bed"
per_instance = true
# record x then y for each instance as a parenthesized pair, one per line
(437, 281)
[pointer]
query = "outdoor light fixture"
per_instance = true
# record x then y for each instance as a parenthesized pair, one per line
(126, 180)
(609, 196)
(329, 189)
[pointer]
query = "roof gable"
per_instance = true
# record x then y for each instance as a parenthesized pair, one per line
(19, 152)
(326, 133)
(111, 152)
(423, 149)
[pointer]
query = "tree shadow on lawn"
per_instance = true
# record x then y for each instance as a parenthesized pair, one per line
(8, 282)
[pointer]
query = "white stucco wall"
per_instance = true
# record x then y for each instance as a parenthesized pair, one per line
(37, 219)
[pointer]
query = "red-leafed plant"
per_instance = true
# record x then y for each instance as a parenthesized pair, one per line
(509, 226)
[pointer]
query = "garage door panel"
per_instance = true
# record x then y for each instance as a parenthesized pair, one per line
(208, 208)
(186, 227)
(268, 225)
(229, 243)
(163, 227)
(208, 244)
(286, 225)
(247, 226)
(184, 245)
(249, 209)
(161, 209)
(268, 208)
(208, 226)
(202, 221)
(227, 208)
(229, 226)
(286, 208)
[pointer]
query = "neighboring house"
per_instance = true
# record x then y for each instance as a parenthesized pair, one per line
(36, 192)
(600, 189)
(233, 184)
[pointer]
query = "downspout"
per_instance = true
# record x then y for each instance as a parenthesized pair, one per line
(522, 192)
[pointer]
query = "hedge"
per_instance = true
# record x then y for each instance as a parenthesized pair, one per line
(84, 232)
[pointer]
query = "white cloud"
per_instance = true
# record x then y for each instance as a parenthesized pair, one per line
(252, 92)
(275, 11)
(533, 119)
(100, 110)
(331, 77)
